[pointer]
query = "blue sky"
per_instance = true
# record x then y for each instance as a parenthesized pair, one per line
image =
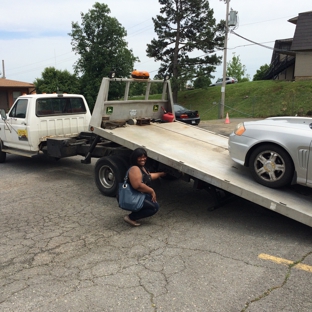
(13, 35)
(34, 34)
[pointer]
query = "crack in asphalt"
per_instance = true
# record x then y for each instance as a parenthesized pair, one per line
(62, 246)
(273, 288)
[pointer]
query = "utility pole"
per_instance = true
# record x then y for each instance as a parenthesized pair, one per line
(221, 108)
(3, 70)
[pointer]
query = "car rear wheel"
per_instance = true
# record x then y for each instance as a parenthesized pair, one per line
(271, 166)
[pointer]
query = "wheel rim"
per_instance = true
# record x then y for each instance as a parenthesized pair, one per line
(106, 177)
(269, 166)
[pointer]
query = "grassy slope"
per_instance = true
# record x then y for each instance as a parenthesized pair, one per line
(252, 99)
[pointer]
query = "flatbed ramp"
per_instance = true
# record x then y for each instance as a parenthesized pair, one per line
(204, 155)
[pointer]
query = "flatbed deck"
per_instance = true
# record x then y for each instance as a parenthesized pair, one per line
(204, 155)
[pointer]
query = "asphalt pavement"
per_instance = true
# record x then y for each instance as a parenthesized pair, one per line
(65, 247)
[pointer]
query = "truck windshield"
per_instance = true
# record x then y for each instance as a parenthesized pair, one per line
(59, 106)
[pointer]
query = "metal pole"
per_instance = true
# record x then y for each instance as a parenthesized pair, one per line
(3, 69)
(221, 108)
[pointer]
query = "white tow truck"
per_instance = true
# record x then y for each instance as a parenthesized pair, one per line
(188, 152)
(52, 124)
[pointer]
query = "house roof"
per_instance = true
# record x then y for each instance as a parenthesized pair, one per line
(13, 83)
(295, 19)
(303, 33)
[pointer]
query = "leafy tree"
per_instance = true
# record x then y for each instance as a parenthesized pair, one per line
(261, 72)
(137, 88)
(244, 79)
(235, 68)
(202, 81)
(99, 42)
(54, 80)
(185, 26)
(157, 88)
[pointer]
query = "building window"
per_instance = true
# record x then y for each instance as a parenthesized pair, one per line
(16, 94)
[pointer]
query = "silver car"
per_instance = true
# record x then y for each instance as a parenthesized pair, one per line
(277, 150)
(228, 80)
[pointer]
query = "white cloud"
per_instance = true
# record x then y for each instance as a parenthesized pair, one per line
(45, 25)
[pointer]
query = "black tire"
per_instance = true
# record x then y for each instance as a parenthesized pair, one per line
(2, 155)
(123, 160)
(271, 165)
(169, 177)
(109, 172)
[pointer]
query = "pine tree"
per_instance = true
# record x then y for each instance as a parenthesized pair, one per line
(186, 28)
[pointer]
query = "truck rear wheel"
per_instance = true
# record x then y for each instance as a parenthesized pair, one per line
(2, 155)
(109, 172)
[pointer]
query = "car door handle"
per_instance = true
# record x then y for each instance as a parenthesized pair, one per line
(23, 123)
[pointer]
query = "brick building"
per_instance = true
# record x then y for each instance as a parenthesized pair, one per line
(11, 89)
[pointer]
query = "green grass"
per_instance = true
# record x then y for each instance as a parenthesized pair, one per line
(256, 99)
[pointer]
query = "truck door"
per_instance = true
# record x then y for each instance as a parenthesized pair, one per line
(16, 129)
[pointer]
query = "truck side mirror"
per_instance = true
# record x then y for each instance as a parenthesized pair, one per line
(3, 114)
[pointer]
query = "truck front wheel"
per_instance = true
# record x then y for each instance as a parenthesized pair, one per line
(2, 155)
(109, 172)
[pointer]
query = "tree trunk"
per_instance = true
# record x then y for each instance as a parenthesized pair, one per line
(175, 69)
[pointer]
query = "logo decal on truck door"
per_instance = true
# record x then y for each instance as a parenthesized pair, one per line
(22, 135)
(109, 110)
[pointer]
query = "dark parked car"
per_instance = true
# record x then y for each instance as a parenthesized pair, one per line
(186, 115)
(228, 80)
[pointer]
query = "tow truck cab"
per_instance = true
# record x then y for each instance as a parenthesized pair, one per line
(34, 118)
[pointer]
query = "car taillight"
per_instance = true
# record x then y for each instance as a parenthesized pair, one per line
(183, 116)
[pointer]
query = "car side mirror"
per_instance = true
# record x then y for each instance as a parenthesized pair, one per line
(3, 114)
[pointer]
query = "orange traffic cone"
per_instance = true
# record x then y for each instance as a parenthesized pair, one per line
(227, 119)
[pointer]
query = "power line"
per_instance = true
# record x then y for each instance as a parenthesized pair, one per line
(281, 51)
(40, 67)
(264, 46)
(62, 61)
(138, 32)
(246, 45)
(267, 20)
(40, 61)
(139, 23)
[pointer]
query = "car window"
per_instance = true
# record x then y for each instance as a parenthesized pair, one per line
(59, 106)
(19, 109)
(178, 107)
